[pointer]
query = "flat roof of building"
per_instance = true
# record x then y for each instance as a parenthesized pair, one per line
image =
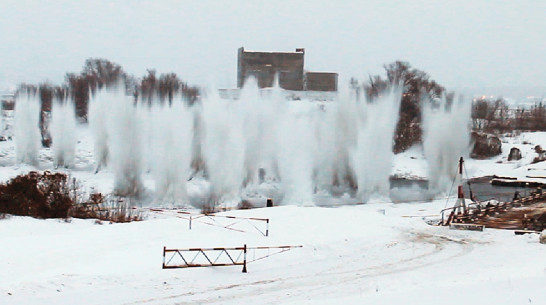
(298, 51)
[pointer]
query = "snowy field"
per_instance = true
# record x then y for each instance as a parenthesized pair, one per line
(375, 253)
(350, 254)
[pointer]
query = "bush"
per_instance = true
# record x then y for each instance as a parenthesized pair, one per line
(44, 195)
(100, 208)
(209, 208)
(245, 205)
(55, 195)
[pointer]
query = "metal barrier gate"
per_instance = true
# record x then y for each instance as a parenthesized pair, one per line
(214, 257)
(232, 222)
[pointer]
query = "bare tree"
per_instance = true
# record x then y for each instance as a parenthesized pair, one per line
(148, 86)
(169, 84)
(417, 87)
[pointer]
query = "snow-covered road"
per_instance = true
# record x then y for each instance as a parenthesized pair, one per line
(351, 254)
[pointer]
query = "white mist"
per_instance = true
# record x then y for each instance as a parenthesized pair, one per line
(373, 155)
(223, 148)
(171, 145)
(446, 138)
(63, 133)
(125, 144)
(27, 132)
(99, 110)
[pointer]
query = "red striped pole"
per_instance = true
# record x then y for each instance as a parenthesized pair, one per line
(460, 192)
(244, 262)
(164, 257)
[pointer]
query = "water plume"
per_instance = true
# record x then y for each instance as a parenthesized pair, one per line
(260, 118)
(63, 127)
(27, 132)
(125, 144)
(223, 147)
(171, 145)
(446, 137)
(99, 106)
(2, 120)
(295, 139)
(372, 158)
(336, 138)
(256, 146)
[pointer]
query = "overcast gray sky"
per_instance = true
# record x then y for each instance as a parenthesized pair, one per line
(459, 43)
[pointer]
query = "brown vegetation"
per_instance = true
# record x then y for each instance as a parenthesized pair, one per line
(494, 116)
(417, 88)
(98, 73)
(54, 195)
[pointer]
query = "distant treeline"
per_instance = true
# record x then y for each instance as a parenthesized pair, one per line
(495, 116)
(488, 115)
(98, 73)
(418, 88)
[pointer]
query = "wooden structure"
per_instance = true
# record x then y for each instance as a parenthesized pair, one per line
(522, 213)
(525, 213)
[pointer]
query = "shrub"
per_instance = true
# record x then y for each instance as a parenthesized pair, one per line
(100, 208)
(45, 195)
(209, 208)
(245, 205)
(55, 195)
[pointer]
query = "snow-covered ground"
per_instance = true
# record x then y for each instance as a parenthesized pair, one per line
(520, 169)
(412, 163)
(350, 254)
(377, 253)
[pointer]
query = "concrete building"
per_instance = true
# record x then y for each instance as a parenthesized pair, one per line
(289, 66)
(320, 81)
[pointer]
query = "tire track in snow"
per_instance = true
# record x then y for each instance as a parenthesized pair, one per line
(276, 289)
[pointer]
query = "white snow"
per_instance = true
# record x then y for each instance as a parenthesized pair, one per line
(500, 165)
(350, 254)
(376, 253)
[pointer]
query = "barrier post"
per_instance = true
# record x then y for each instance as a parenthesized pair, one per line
(244, 261)
(164, 248)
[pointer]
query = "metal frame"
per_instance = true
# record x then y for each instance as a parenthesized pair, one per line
(230, 226)
(216, 257)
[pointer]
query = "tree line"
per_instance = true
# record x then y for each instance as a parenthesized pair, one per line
(98, 73)
(417, 88)
(487, 115)
(495, 116)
